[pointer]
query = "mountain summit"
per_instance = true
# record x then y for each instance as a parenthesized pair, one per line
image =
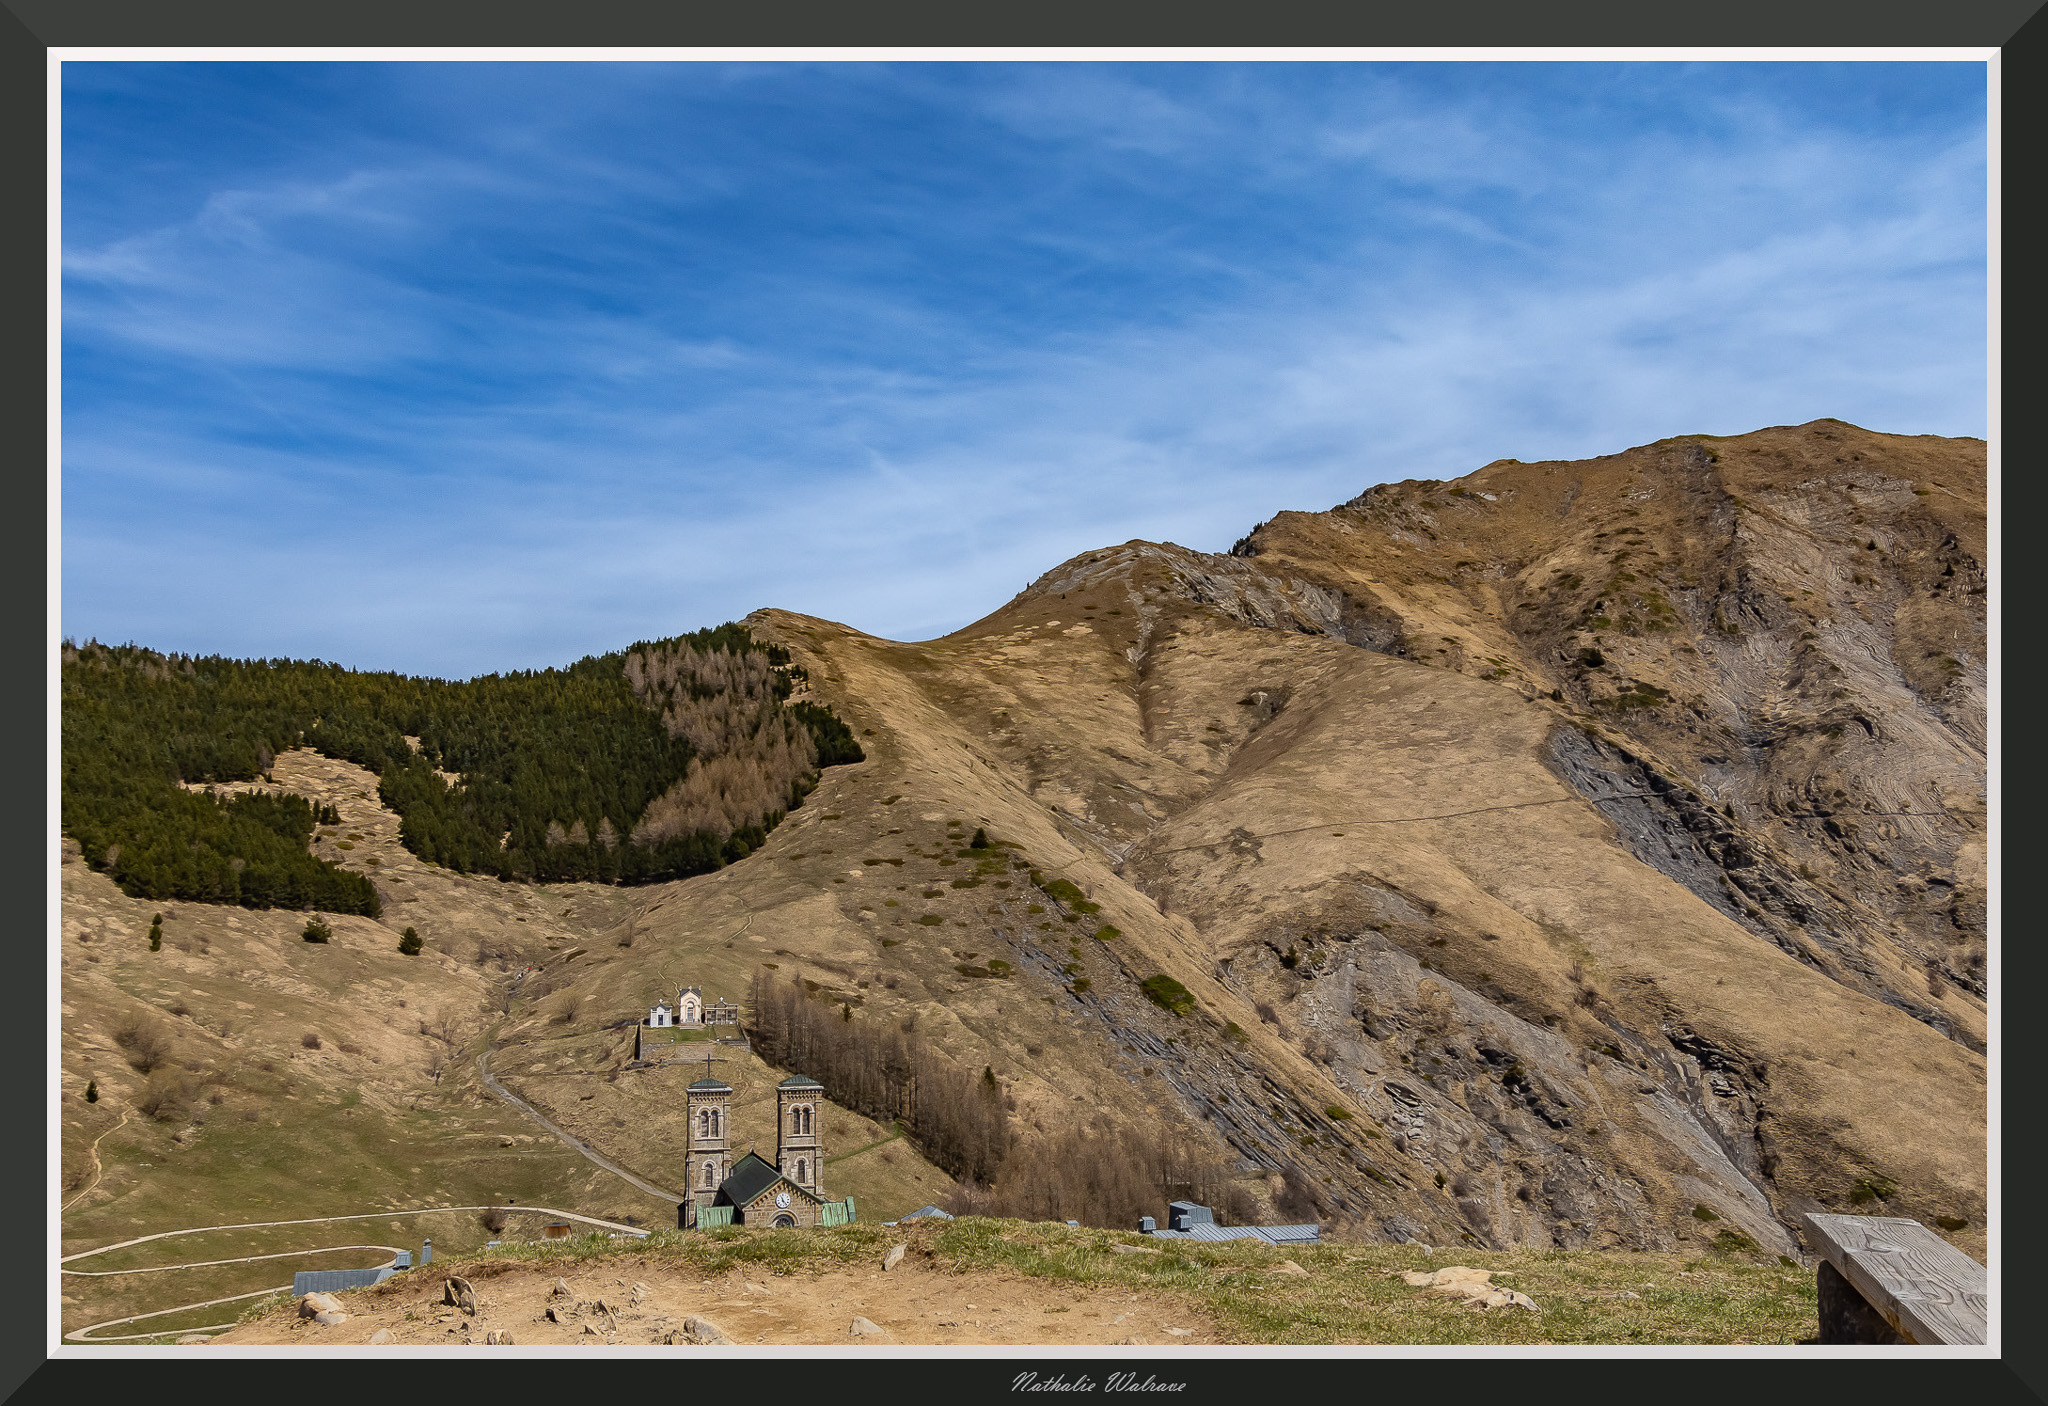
(1581, 853)
(1584, 854)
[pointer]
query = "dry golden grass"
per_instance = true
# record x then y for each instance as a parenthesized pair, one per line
(979, 1281)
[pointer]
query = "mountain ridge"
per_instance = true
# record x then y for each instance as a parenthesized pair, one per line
(1150, 618)
(1598, 864)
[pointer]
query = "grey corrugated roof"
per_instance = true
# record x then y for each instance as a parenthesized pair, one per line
(927, 1211)
(1271, 1234)
(1292, 1234)
(1209, 1230)
(328, 1281)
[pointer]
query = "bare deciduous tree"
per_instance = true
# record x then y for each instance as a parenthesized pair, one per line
(751, 757)
(449, 1037)
(1298, 1196)
(166, 1095)
(1105, 1175)
(145, 1039)
(957, 1121)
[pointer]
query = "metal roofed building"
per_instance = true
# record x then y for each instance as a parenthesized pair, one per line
(1188, 1221)
(328, 1281)
(1291, 1234)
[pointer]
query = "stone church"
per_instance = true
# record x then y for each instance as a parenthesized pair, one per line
(787, 1192)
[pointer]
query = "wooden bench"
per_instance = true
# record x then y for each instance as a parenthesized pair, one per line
(1884, 1279)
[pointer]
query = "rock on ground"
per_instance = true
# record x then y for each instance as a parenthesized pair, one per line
(703, 1330)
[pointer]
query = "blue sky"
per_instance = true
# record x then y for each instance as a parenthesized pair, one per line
(455, 367)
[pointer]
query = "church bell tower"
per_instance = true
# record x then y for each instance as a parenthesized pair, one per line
(708, 1159)
(799, 1146)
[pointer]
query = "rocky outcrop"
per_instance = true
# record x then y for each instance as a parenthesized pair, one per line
(1484, 829)
(1670, 828)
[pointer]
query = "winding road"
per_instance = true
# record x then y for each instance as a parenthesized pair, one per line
(569, 1139)
(483, 1069)
(85, 1334)
(97, 1168)
(483, 1066)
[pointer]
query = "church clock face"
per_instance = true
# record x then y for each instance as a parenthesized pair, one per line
(782, 1200)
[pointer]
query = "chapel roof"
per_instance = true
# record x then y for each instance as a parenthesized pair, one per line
(751, 1175)
(754, 1174)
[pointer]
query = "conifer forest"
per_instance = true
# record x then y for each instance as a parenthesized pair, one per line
(664, 760)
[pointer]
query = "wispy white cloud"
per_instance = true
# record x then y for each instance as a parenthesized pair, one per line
(484, 411)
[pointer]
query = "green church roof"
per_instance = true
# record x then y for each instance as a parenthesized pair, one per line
(751, 1175)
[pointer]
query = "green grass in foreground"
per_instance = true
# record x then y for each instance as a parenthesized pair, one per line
(1353, 1293)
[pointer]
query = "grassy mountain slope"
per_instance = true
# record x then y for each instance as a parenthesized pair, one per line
(1391, 855)
(1788, 625)
(388, 1113)
(1573, 855)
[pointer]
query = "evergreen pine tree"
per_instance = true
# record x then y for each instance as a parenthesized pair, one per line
(156, 934)
(410, 943)
(92, 1091)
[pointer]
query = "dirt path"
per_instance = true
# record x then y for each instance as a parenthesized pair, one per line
(85, 1334)
(97, 1168)
(637, 1301)
(328, 1220)
(483, 1069)
(245, 1259)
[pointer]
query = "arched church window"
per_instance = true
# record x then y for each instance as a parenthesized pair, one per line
(709, 1172)
(714, 1122)
(802, 1174)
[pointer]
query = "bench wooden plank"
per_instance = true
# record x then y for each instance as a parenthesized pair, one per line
(1926, 1288)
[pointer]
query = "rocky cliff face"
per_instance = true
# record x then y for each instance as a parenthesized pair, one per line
(1575, 854)
(1782, 636)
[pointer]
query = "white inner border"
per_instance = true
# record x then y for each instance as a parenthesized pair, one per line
(1066, 1361)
